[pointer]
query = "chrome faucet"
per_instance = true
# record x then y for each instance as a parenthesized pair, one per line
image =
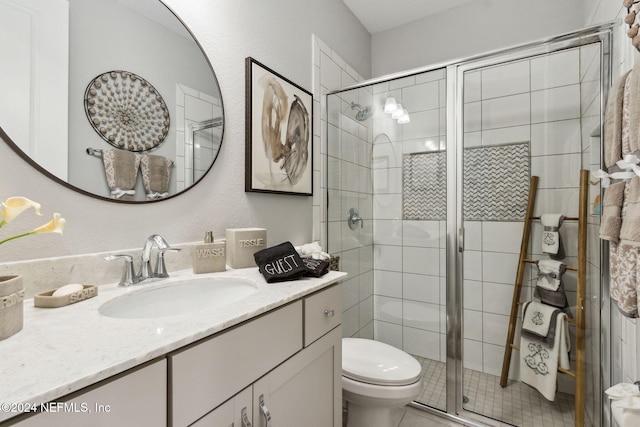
(129, 277)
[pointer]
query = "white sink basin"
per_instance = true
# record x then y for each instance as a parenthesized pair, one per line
(179, 297)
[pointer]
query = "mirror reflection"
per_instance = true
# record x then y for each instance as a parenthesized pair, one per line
(112, 97)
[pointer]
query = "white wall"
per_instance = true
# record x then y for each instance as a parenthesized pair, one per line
(473, 29)
(278, 33)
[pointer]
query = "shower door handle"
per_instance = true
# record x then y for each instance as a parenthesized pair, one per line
(461, 239)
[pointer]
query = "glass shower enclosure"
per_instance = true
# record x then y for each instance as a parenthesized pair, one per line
(437, 163)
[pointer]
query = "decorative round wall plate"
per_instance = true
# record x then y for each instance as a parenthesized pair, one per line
(126, 111)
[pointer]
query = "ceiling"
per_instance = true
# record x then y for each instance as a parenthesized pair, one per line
(381, 15)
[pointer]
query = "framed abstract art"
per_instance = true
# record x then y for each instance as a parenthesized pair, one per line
(279, 134)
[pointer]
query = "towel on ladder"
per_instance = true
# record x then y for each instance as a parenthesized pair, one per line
(551, 240)
(550, 274)
(549, 287)
(540, 354)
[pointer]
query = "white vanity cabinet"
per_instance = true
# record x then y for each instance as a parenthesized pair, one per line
(288, 370)
(138, 397)
(288, 358)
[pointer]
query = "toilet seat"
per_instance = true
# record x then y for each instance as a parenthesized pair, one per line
(377, 363)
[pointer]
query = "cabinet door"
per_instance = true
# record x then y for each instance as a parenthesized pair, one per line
(306, 390)
(207, 374)
(136, 399)
(236, 412)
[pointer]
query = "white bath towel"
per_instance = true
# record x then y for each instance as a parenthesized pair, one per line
(539, 362)
(537, 318)
(550, 274)
(551, 240)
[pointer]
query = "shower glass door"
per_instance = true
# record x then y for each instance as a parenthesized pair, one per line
(386, 157)
(525, 114)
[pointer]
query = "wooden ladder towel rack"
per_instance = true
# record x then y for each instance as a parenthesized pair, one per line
(579, 319)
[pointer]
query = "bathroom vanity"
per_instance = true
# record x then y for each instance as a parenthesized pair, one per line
(274, 355)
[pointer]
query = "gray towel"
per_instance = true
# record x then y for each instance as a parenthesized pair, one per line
(613, 122)
(121, 171)
(556, 298)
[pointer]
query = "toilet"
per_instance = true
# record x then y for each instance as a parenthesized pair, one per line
(376, 378)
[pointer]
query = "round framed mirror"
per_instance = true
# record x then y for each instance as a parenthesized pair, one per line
(147, 138)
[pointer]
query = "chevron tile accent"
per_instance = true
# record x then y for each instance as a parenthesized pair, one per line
(424, 186)
(496, 184)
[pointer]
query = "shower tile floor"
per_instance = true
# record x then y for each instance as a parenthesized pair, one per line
(517, 404)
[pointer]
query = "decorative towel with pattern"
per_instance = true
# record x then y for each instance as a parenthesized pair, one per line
(624, 257)
(156, 172)
(551, 239)
(121, 171)
(538, 361)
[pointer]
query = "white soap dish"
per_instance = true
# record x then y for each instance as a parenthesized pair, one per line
(47, 300)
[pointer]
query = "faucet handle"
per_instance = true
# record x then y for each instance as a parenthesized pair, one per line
(161, 269)
(128, 274)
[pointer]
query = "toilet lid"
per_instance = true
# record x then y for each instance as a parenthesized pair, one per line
(375, 362)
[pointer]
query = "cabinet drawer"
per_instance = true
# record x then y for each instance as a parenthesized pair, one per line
(209, 373)
(322, 313)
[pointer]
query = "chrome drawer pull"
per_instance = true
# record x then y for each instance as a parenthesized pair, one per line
(329, 313)
(265, 411)
(245, 418)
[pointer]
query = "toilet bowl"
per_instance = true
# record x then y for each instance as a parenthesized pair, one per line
(376, 378)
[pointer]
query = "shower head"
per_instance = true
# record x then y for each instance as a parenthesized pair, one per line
(363, 113)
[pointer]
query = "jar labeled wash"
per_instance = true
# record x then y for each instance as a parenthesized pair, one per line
(210, 256)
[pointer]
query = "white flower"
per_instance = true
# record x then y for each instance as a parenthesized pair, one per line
(14, 206)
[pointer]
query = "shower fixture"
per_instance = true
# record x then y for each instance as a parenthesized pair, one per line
(363, 113)
(392, 107)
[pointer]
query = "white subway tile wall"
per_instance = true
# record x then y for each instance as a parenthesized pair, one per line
(345, 182)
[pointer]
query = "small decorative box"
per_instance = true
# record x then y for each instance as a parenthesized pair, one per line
(46, 300)
(242, 243)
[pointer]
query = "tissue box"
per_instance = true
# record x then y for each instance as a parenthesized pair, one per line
(242, 243)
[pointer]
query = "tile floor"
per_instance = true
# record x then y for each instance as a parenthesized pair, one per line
(517, 404)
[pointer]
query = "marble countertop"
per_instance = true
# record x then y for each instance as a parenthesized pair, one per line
(62, 350)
